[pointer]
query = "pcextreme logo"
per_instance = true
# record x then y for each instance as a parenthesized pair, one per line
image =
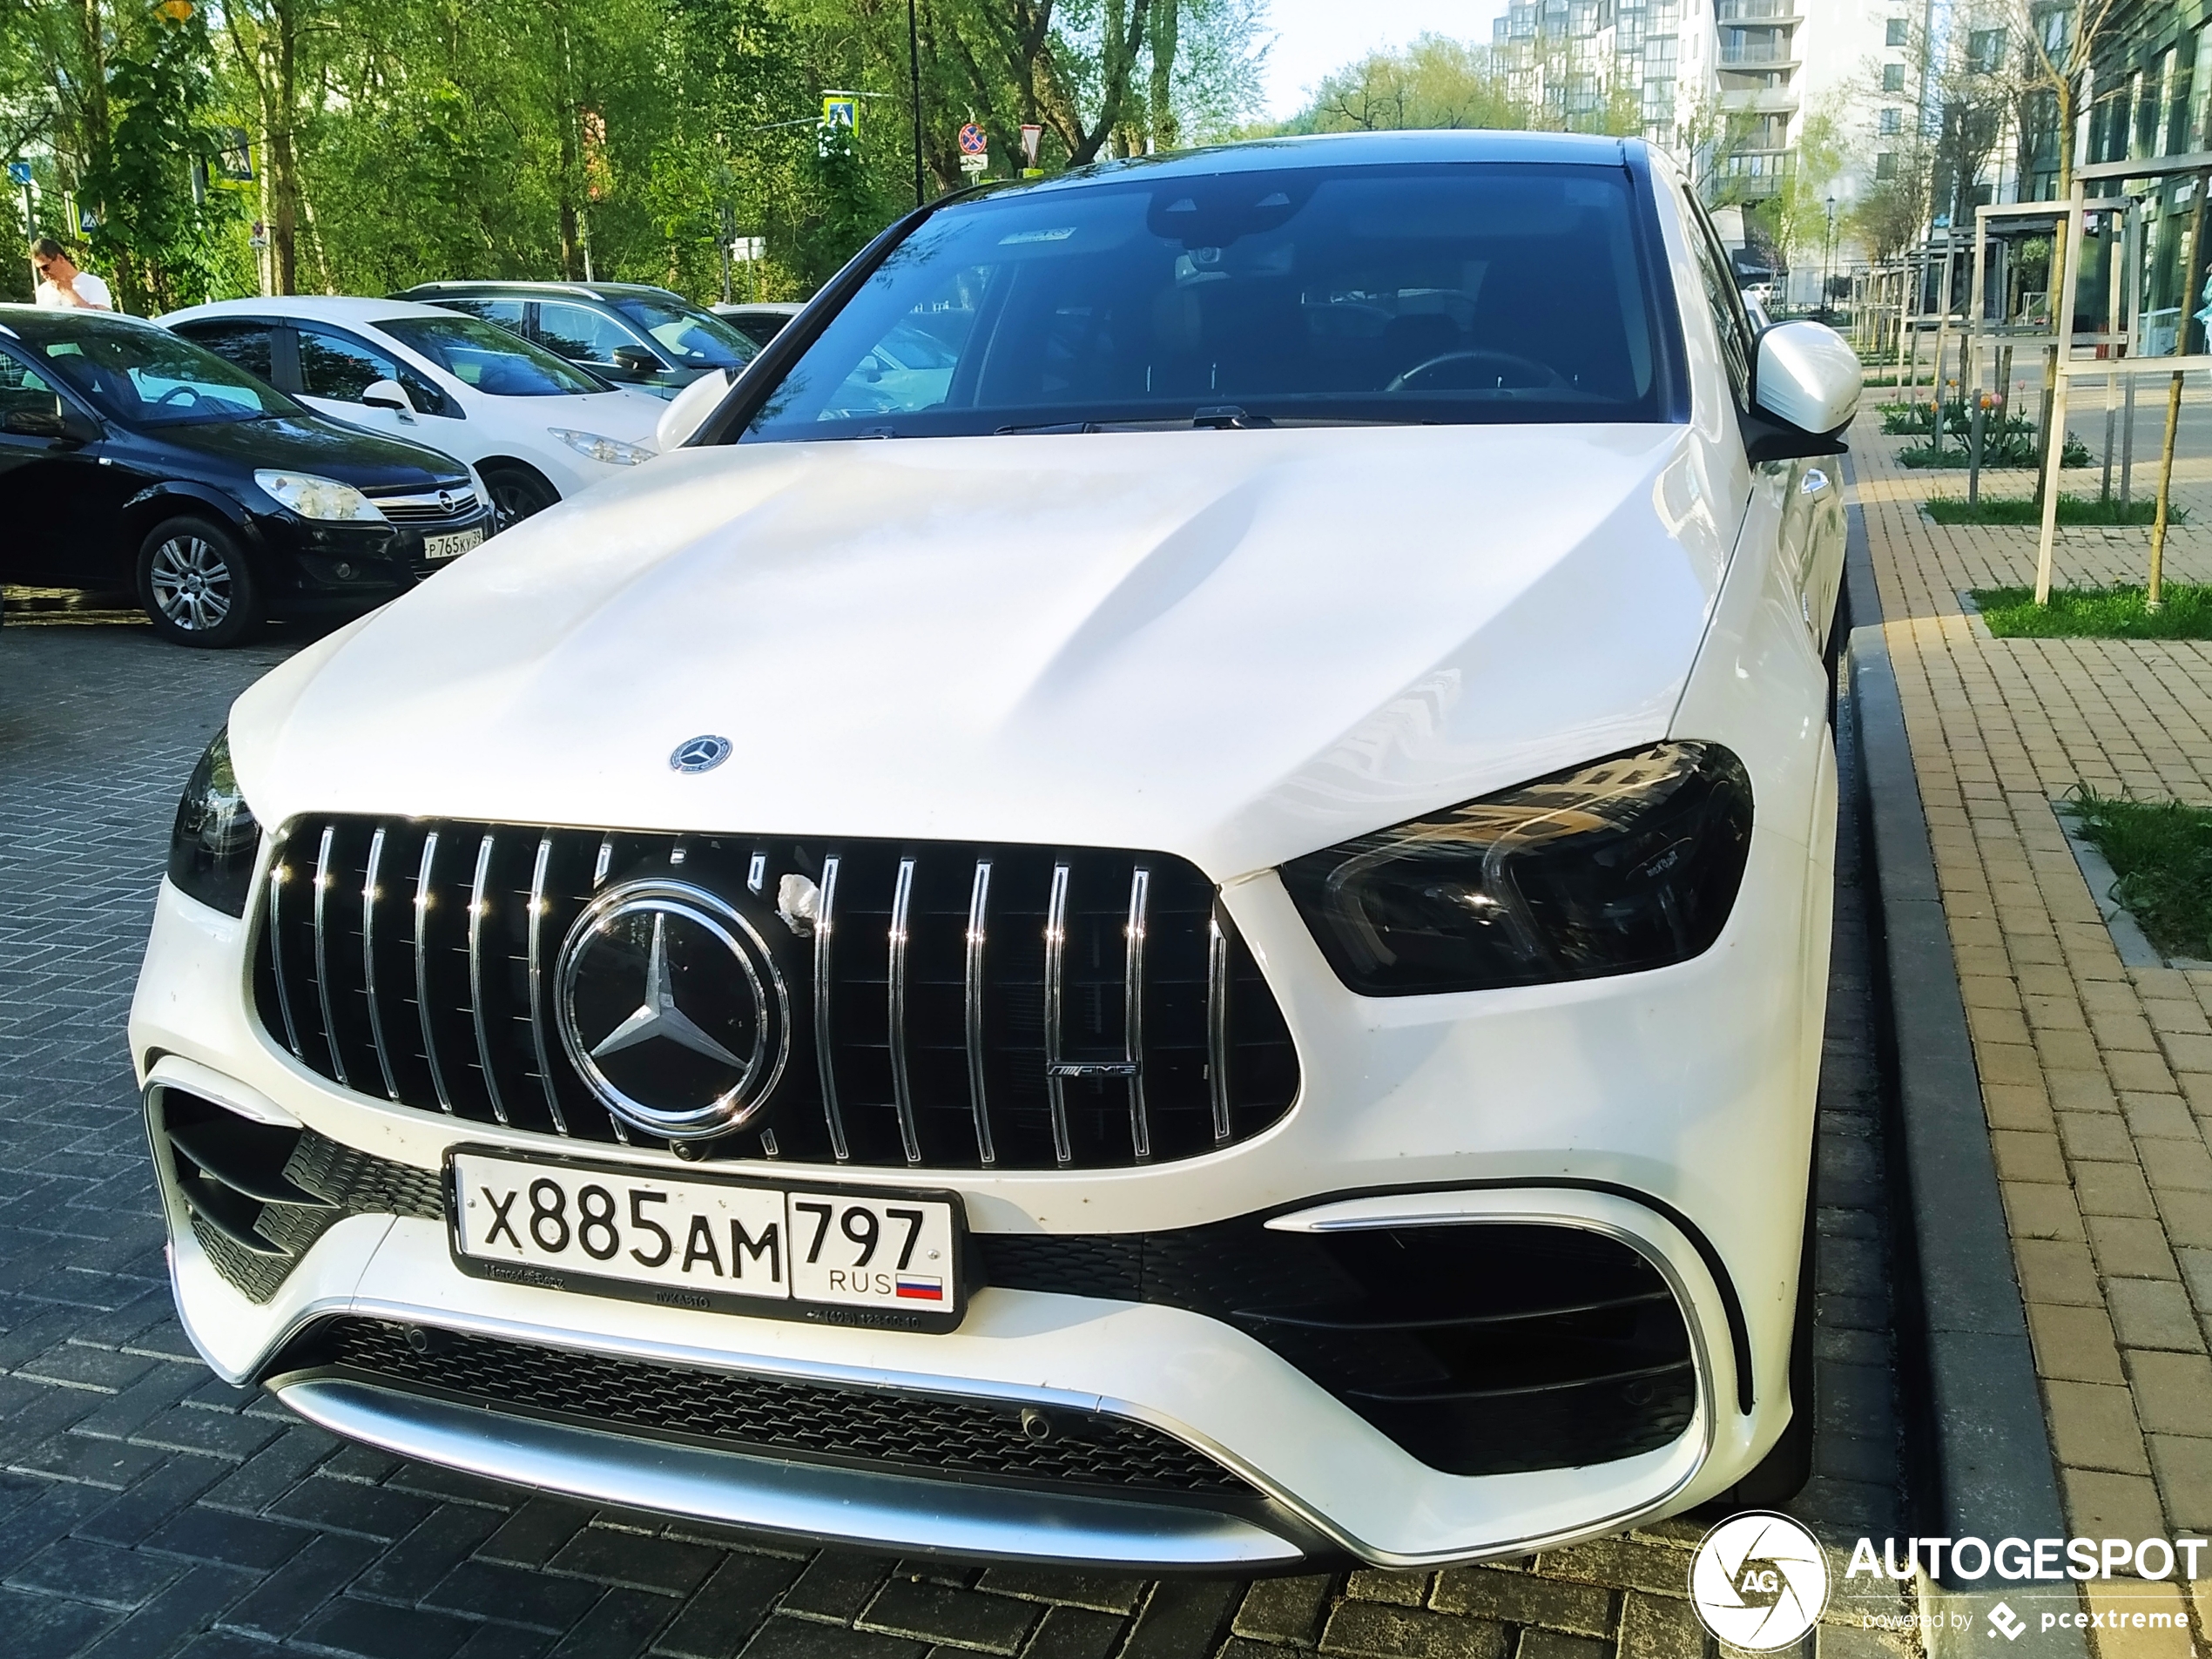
(1758, 1580)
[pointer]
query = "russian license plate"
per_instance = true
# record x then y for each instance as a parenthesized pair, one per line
(451, 546)
(841, 1255)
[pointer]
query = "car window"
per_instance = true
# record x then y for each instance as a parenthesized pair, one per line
(694, 338)
(341, 368)
(487, 357)
(235, 340)
(147, 376)
(580, 334)
(1486, 291)
(508, 314)
(1729, 320)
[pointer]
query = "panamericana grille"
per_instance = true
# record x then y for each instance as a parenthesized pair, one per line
(876, 1428)
(955, 1006)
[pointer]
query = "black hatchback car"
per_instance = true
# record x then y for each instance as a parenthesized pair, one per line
(132, 459)
(627, 334)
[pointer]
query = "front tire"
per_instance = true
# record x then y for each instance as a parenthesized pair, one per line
(196, 585)
(516, 492)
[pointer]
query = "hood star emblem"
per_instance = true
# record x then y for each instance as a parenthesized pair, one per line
(658, 1016)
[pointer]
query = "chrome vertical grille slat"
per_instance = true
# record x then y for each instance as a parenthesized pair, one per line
(322, 958)
(1217, 1024)
(479, 907)
(824, 1025)
(979, 904)
(1140, 1125)
(1056, 972)
(422, 969)
(1061, 1007)
(369, 896)
(902, 1081)
(277, 871)
(538, 967)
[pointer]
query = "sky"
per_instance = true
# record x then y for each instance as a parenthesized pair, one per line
(1314, 36)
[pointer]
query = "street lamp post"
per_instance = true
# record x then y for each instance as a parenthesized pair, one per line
(1827, 258)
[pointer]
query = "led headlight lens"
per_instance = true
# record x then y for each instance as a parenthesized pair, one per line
(613, 451)
(314, 497)
(212, 848)
(1628, 864)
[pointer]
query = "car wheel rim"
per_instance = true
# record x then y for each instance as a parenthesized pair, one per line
(513, 501)
(192, 584)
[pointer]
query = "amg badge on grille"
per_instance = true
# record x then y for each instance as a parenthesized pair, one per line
(673, 1009)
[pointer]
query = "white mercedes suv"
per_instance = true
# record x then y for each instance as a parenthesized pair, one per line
(1189, 930)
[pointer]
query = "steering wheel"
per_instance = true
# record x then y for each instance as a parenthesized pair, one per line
(1515, 373)
(175, 392)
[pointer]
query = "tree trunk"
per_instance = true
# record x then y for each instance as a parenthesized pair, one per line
(280, 88)
(1166, 129)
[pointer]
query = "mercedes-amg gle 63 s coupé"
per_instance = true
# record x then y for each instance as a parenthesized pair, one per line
(1164, 900)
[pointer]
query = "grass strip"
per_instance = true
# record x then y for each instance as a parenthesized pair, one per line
(2024, 510)
(2097, 613)
(2161, 851)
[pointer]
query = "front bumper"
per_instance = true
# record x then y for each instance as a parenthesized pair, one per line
(1579, 1106)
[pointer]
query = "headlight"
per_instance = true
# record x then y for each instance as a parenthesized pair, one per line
(314, 497)
(211, 849)
(613, 451)
(1628, 864)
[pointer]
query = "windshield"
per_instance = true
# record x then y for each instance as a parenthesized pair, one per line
(486, 356)
(1468, 292)
(694, 339)
(148, 377)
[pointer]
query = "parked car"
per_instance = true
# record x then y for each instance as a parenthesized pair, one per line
(626, 333)
(759, 320)
(535, 428)
(132, 459)
(1215, 958)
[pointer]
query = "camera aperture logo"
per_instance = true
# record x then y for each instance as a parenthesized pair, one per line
(1758, 1580)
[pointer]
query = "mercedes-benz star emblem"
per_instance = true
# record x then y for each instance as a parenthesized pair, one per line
(670, 1007)
(700, 754)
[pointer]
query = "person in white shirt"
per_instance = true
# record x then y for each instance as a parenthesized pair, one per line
(60, 283)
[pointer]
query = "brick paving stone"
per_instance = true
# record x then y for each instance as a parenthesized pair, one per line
(444, 1540)
(183, 1609)
(1654, 1627)
(1092, 1590)
(728, 1607)
(1552, 1644)
(1284, 1609)
(510, 1595)
(1181, 1619)
(1404, 1589)
(791, 1638)
(1524, 1598)
(837, 1585)
(643, 1563)
(1378, 1630)
(377, 1630)
(47, 1627)
(1080, 1633)
(283, 1600)
(956, 1617)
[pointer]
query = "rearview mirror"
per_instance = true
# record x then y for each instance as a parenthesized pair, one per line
(1805, 391)
(687, 411)
(388, 395)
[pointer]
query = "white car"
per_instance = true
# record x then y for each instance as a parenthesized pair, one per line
(537, 428)
(1211, 954)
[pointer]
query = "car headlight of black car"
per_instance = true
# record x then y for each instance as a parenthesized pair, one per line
(212, 848)
(1625, 864)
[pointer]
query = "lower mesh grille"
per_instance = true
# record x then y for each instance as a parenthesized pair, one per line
(876, 1428)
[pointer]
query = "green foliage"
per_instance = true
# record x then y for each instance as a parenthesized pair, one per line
(2098, 613)
(2161, 853)
(2016, 447)
(2025, 509)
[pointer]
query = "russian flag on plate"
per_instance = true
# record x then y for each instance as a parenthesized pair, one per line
(919, 1287)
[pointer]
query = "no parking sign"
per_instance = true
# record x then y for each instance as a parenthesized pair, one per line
(974, 148)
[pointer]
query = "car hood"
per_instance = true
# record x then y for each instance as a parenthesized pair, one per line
(310, 443)
(1237, 646)
(625, 413)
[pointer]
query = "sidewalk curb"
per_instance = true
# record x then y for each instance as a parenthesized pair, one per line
(1973, 1414)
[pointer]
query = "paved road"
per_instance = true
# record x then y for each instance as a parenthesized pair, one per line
(147, 1510)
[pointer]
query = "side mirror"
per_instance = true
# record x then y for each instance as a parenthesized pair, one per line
(61, 423)
(388, 395)
(1804, 392)
(636, 359)
(687, 411)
